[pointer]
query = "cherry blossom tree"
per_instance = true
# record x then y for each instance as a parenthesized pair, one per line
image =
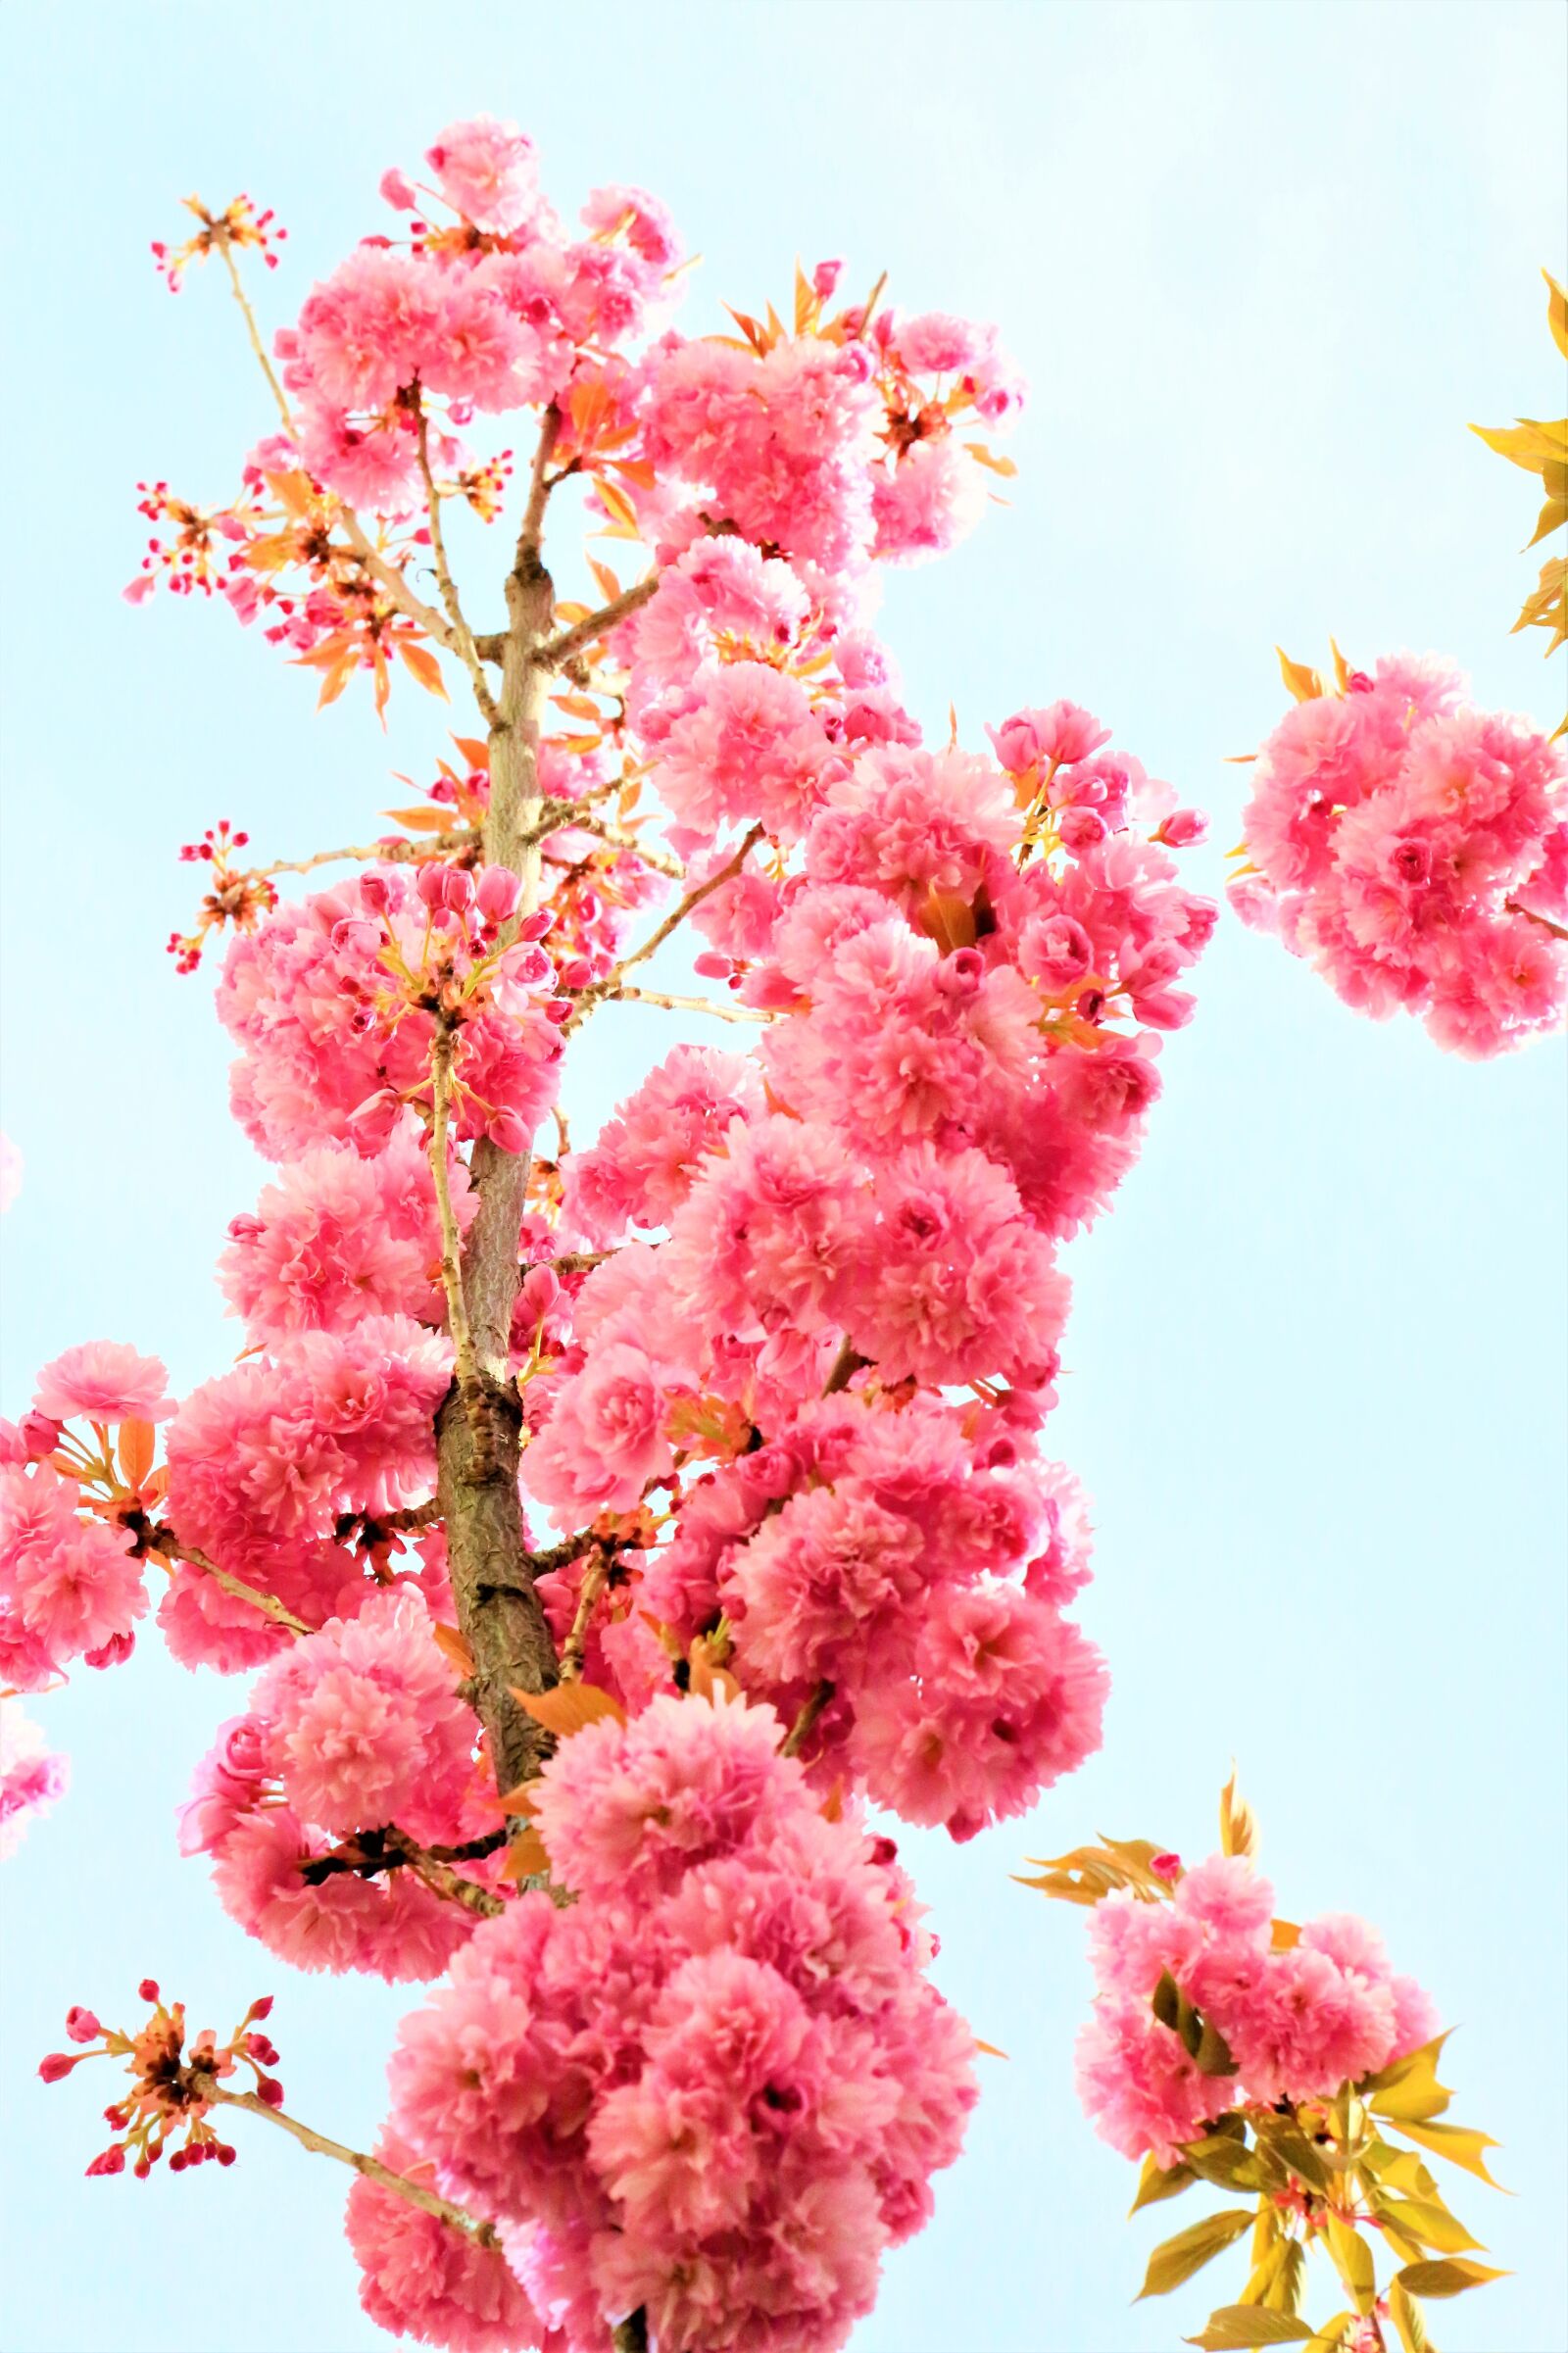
(610, 1531)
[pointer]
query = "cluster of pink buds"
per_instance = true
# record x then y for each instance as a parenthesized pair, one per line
(171, 2093)
(239, 224)
(239, 894)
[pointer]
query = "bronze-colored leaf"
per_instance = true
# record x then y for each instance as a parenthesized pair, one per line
(570, 1707)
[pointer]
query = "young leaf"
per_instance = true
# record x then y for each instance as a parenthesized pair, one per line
(1457, 2142)
(1448, 2278)
(570, 1707)
(1429, 2220)
(1238, 1824)
(1238, 2327)
(138, 1442)
(1188, 2252)
(1225, 2161)
(1406, 2315)
(1558, 312)
(1305, 684)
(454, 1646)
(1157, 2182)
(526, 1857)
(1353, 2260)
(422, 665)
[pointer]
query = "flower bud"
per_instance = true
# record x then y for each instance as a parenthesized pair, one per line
(499, 893)
(375, 893)
(457, 890)
(80, 2025)
(1080, 828)
(147, 1991)
(536, 925)
(398, 192)
(824, 279)
(108, 2161)
(371, 1123)
(112, 1654)
(40, 1434)
(507, 1132)
(430, 882)
(56, 2066)
(537, 1295)
(713, 966)
(576, 974)
(1182, 828)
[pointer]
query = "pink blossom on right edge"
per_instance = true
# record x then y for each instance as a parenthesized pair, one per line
(1416, 851)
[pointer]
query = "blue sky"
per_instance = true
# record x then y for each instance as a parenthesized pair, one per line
(1261, 264)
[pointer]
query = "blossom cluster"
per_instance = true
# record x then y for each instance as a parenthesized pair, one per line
(356, 1727)
(31, 1777)
(717, 2086)
(1286, 2020)
(72, 1576)
(173, 2092)
(1416, 851)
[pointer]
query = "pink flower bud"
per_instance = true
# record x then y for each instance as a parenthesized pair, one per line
(112, 1654)
(54, 2067)
(558, 1011)
(457, 890)
(540, 1289)
(499, 893)
(261, 2007)
(270, 2089)
(1080, 828)
(431, 882)
(245, 1228)
(40, 1434)
(536, 925)
(713, 966)
(824, 279)
(576, 974)
(767, 1471)
(507, 1131)
(108, 2161)
(80, 2025)
(1183, 827)
(354, 937)
(375, 893)
(396, 191)
(963, 971)
(1165, 1866)
(147, 1991)
(371, 1123)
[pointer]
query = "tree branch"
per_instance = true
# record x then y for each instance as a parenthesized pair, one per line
(792, 1741)
(610, 986)
(691, 1005)
(467, 652)
(163, 1539)
(370, 2167)
(576, 640)
(594, 1578)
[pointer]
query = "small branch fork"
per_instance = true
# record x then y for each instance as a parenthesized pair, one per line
(375, 1851)
(611, 985)
(164, 1540)
(370, 2167)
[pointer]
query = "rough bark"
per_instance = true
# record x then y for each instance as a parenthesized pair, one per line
(492, 1573)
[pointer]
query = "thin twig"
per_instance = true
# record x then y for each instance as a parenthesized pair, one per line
(594, 1578)
(532, 529)
(370, 2167)
(166, 1541)
(466, 653)
(662, 861)
(846, 1364)
(611, 985)
(691, 1005)
(393, 851)
(559, 651)
(395, 582)
(254, 331)
(791, 1743)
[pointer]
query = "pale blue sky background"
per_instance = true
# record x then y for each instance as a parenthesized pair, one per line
(1261, 263)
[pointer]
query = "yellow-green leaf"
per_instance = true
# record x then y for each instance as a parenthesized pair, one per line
(1429, 2220)
(1188, 2252)
(1353, 2260)
(1448, 2278)
(1157, 2182)
(1410, 2086)
(1236, 2327)
(1457, 2142)
(1406, 2315)
(1229, 2164)
(1558, 312)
